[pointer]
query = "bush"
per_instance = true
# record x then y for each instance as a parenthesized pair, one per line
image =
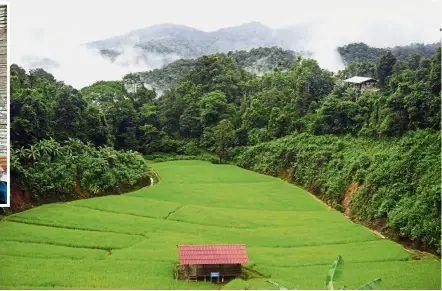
(165, 157)
(49, 169)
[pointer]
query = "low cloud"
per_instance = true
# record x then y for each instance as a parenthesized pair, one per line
(80, 66)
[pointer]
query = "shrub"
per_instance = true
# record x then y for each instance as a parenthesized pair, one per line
(50, 169)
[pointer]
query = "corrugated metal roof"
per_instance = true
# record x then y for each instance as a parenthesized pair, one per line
(359, 80)
(213, 254)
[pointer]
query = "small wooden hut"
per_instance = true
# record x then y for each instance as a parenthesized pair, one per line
(362, 83)
(211, 262)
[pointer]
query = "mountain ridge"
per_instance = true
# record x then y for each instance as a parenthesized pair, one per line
(187, 42)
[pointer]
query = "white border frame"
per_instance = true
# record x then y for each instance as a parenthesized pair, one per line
(8, 102)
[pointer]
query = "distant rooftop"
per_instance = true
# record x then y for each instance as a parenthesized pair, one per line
(360, 80)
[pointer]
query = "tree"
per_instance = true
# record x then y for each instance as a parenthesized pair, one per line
(435, 73)
(278, 123)
(124, 120)
(223, 136)
(132, 82)
(190, 122)
(69, 111)
(104, 93)
(385, 68)
(143, 96)
(337, 115)
(29, 119)
(212, 107)
(96, 126)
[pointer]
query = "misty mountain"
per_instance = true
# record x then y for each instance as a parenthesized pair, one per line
(165, 43)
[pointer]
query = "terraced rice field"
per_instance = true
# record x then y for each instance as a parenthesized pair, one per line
(129, 241)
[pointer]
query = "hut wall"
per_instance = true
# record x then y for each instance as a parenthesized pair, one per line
(225, 270)
(185, 272)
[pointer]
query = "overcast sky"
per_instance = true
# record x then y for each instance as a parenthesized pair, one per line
(45, 27)
(88, 20)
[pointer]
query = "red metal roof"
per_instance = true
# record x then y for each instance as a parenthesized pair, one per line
(212, 254)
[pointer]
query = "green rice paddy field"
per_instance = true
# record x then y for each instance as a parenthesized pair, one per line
(129, 241)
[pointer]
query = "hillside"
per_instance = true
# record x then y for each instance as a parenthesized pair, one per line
(258, 60)
(129, 241)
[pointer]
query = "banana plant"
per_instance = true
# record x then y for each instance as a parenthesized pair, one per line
(334, 274)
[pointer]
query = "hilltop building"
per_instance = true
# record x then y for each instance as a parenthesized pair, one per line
(363, 84)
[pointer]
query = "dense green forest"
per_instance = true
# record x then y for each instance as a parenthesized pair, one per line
(62, 146)
(298, 121)
(361, 52)
(257, 60)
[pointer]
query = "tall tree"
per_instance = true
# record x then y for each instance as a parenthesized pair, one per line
(223, 136)
(385, 68)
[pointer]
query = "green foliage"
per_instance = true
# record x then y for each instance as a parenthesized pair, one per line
(408, 199)
(53, 171)
(385, 68)
(104, 92)
(257, 60)
(359, 68)
(265, 59)
(360, 52)
(42, 108)
(212, 107)
(165, 157)
(334, 273)
(223, 136)
(371, 285)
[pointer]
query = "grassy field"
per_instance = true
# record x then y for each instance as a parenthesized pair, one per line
(129, 241)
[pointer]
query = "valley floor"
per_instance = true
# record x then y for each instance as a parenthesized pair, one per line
(129, 241)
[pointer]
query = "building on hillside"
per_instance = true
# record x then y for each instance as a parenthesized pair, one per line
(211, 262)
(363, 84)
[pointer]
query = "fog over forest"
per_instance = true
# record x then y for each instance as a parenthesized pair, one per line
(57, 43)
